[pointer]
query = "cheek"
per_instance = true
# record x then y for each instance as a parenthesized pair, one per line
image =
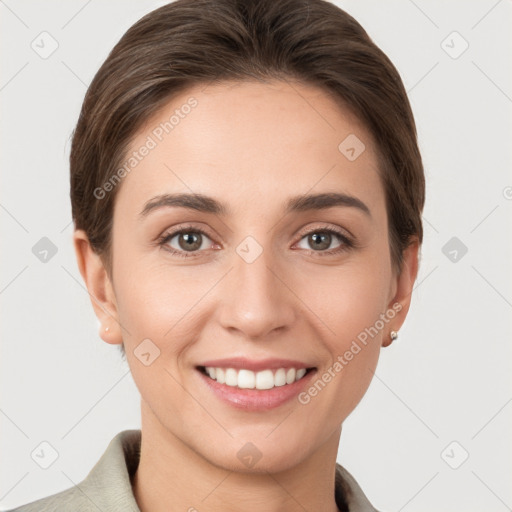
(351, 309)
(360, 322)
(157, 303)
(346, 299)
(350, 302)
(157, 310)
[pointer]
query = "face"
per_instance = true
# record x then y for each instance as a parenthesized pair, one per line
(247, 277)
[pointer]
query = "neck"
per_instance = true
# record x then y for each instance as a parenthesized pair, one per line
(171, 477)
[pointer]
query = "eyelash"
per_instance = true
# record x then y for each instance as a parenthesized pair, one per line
(346, 244)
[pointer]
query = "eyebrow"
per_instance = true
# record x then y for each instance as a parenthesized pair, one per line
(207, 204)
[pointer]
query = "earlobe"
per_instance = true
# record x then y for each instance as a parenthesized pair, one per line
(99, 286)
(401, 301)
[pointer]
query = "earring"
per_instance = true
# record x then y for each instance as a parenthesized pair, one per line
(393, 335)
(107, 329)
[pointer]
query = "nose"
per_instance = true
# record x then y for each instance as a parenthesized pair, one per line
(255, 299)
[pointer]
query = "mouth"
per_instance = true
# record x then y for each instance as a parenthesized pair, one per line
(254, 385)
(265, 379)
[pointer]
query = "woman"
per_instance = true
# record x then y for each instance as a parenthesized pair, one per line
(247, 193)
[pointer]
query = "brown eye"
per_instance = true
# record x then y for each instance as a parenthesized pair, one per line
(320, 240)
(188, 241)
(326, 242)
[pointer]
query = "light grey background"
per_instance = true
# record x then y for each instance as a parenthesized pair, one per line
(447, 378)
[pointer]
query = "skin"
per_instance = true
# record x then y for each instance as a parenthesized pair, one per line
(252, 146)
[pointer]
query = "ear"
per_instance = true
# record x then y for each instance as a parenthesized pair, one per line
(404, 285)
(99, 287)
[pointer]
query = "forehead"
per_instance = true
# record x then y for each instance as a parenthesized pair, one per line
(250, 140)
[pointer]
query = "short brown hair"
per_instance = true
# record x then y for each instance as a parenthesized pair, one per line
(189, 42)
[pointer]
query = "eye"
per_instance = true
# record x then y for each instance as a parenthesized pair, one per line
(190, 241)
(185, 240)
(318, 240)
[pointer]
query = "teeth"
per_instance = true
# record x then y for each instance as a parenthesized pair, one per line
(231, 377)
(264, 379)
(280, 377)
(300, 373)
(247, 379)
(220, 375)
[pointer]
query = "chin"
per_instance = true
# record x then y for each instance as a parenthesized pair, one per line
(260, 456)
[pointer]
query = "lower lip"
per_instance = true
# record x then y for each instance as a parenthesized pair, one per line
(256, 399)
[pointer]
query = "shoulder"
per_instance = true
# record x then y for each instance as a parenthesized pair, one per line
(347, 486)
(107, 487)
(70, 500)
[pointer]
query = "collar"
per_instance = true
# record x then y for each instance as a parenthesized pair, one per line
(108, 485)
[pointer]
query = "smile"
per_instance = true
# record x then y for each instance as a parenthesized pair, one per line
(248, 379)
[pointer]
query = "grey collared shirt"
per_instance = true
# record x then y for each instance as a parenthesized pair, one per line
(108, 488)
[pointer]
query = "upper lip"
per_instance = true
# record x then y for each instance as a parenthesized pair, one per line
(240, 363)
